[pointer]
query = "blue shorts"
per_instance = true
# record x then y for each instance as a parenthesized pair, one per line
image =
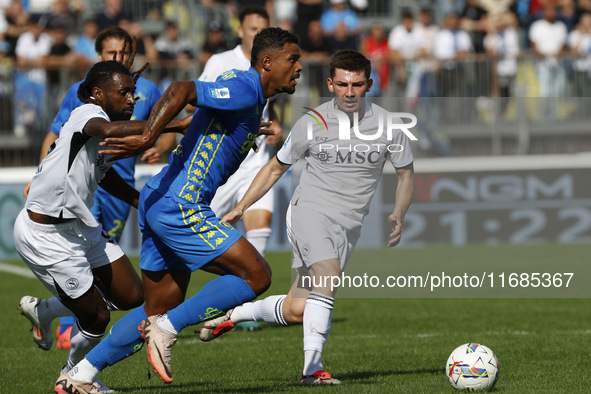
(178, 236)
(111, 212)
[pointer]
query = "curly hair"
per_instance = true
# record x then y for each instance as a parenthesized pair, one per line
(273, 38)
(99, 76)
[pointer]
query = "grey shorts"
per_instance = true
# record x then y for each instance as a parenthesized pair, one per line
(64, 255)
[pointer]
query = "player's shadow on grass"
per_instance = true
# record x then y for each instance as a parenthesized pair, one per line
(195, 387)
(182, 388)
(360, 376)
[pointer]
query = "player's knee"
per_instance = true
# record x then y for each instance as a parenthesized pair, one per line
(261, 283)
(132, 301)
(133, 298)
(103, 319)
(260, 279)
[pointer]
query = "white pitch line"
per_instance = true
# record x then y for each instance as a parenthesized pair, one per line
(13, 269)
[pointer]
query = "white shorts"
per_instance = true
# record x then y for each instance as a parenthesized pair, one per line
(315, 237)
(63, 255)
(230, 194)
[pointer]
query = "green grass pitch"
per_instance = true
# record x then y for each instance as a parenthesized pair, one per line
(375, 345)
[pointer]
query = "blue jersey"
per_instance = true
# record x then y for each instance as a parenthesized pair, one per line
(218, 139)
(148, 93)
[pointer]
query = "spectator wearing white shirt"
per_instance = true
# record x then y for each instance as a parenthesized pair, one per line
(502, 45)
(579, 42)
(405, 43)
(427, 64)
(451, 44)
(548, 38)
(31, 49)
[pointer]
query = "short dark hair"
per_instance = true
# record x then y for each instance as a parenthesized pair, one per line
(253, 9)
(99, 76)
(270, 38)
(349, 60)
(112, 32)
(407, 14)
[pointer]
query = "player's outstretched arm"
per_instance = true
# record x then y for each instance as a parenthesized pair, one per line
(116, 186)
(262, 183)
(119, 132)
(174, 99)
(404, 193)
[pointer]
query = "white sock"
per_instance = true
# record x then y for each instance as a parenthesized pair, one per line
(258, 238)
(242, 313)
(269, 310)
(82, 342)
(83, 372)
(49, 309)
(316, 325)
(165, 324)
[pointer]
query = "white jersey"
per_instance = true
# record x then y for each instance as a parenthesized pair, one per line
(341, 175)
(407, 43)
(222, 62)
(217, 65)
(67, 178)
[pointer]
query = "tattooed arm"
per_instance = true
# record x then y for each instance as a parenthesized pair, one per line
(168, 106)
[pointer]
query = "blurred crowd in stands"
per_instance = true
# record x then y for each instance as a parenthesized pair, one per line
(404, 40)
(422, 48)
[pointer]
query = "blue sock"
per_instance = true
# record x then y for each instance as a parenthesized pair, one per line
(66, 322)
(123, 340)
(215, 297)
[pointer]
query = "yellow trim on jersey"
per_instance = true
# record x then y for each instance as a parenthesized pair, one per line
(193, 225)
(219, 229)
(211, 161)
(193, 159)
(202, 160)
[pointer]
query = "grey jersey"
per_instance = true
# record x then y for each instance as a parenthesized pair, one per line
(67, 178)
(342, 169)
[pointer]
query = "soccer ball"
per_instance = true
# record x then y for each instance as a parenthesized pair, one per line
(472, 367)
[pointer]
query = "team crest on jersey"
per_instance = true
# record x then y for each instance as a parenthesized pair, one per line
(223, 93)
(72, 283)
(306, 249)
